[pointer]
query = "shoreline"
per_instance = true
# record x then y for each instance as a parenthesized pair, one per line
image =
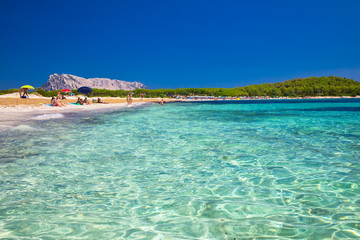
(15, 111)
(36, 102)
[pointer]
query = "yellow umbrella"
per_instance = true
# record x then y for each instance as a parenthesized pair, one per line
(28, 87)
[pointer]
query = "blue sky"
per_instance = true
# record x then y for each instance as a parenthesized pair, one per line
(175, 44)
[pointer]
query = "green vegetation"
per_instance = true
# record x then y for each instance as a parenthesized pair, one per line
(312, 86)
(44, 93)
(12, 90)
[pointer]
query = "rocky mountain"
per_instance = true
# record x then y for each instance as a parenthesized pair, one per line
(57, 82)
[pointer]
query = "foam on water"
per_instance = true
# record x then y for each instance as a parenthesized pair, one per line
(48, 116)
(23, 127)
(186, 171)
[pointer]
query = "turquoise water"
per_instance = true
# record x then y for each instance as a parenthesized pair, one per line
(235, 170)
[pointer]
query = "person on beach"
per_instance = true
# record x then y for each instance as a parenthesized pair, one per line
(79, 101)
(129, 99)
(62, 104)
(161, 102)
(86, 101)
(56, 102)
(25, 94)
(58, 99)
(53, 102)
(101, 101)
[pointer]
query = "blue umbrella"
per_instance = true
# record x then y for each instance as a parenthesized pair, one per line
(84, 90)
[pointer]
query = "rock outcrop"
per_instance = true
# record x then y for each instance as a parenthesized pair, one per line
(57, 82)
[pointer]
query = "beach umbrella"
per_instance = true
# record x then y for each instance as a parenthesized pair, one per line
(66, 90)
(28, 87)
(84, 90)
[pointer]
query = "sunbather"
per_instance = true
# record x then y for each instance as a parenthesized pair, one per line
(80, 101)
(86, 101)
(54, 102)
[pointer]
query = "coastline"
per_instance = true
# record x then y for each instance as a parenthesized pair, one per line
(13, 101)
(16, 111)
(10, 102)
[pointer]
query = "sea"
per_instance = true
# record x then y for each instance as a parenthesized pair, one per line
(257, 169)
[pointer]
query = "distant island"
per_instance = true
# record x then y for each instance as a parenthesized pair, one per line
(68, 81)
(301, 87)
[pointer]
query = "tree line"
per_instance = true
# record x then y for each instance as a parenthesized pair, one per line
(301, 87)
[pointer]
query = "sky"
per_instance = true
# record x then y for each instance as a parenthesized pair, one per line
(179, 44)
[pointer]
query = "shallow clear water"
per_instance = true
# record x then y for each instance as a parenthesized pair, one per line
(235, 170)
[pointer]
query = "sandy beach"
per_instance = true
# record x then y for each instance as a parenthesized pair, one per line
(14, 110)
(12, 100)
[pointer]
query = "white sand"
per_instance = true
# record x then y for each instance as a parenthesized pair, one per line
(16, 115)
(66, 108)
